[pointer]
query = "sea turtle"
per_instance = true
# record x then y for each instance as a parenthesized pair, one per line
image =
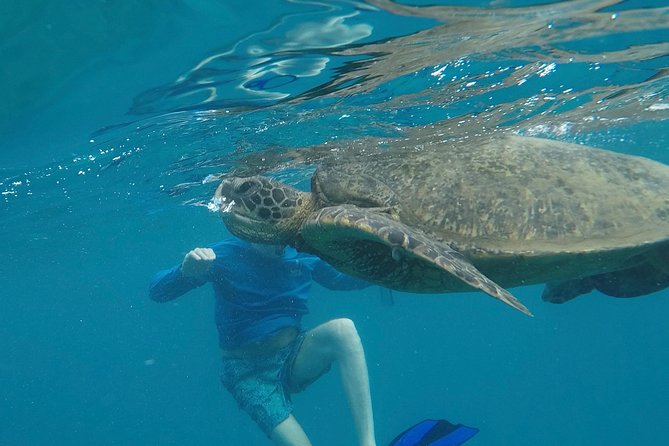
(508, 210)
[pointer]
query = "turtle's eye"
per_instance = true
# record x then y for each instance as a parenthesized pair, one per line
(244, 187)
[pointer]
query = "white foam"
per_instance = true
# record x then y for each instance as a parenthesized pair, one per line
(659, 106)
(217, 204)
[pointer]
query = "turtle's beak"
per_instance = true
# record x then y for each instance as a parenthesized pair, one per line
(220, 205)
(220, 201)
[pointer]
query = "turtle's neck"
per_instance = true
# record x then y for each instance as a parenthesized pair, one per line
(302, 213)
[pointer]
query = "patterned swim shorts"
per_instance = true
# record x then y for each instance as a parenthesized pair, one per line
(261, 386)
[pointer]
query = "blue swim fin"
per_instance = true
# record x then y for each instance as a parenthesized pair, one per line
(434, 433)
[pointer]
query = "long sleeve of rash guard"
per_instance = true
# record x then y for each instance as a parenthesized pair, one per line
(330, 278)
(171, 283)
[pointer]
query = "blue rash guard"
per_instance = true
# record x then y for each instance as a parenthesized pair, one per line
(256, 294)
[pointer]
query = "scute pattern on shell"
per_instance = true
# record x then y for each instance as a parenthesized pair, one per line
(521, 194)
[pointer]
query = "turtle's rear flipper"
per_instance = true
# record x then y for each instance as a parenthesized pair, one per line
(632, 282)
(636, 281)
(381, 250)
(566, 290)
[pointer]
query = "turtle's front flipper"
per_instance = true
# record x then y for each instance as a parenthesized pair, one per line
(381, 250)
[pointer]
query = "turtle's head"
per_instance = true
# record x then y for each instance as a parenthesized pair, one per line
(261, 210)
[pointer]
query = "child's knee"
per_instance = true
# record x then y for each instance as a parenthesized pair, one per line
(345, 331)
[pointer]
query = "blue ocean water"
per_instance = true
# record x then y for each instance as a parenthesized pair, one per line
(115, 114)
